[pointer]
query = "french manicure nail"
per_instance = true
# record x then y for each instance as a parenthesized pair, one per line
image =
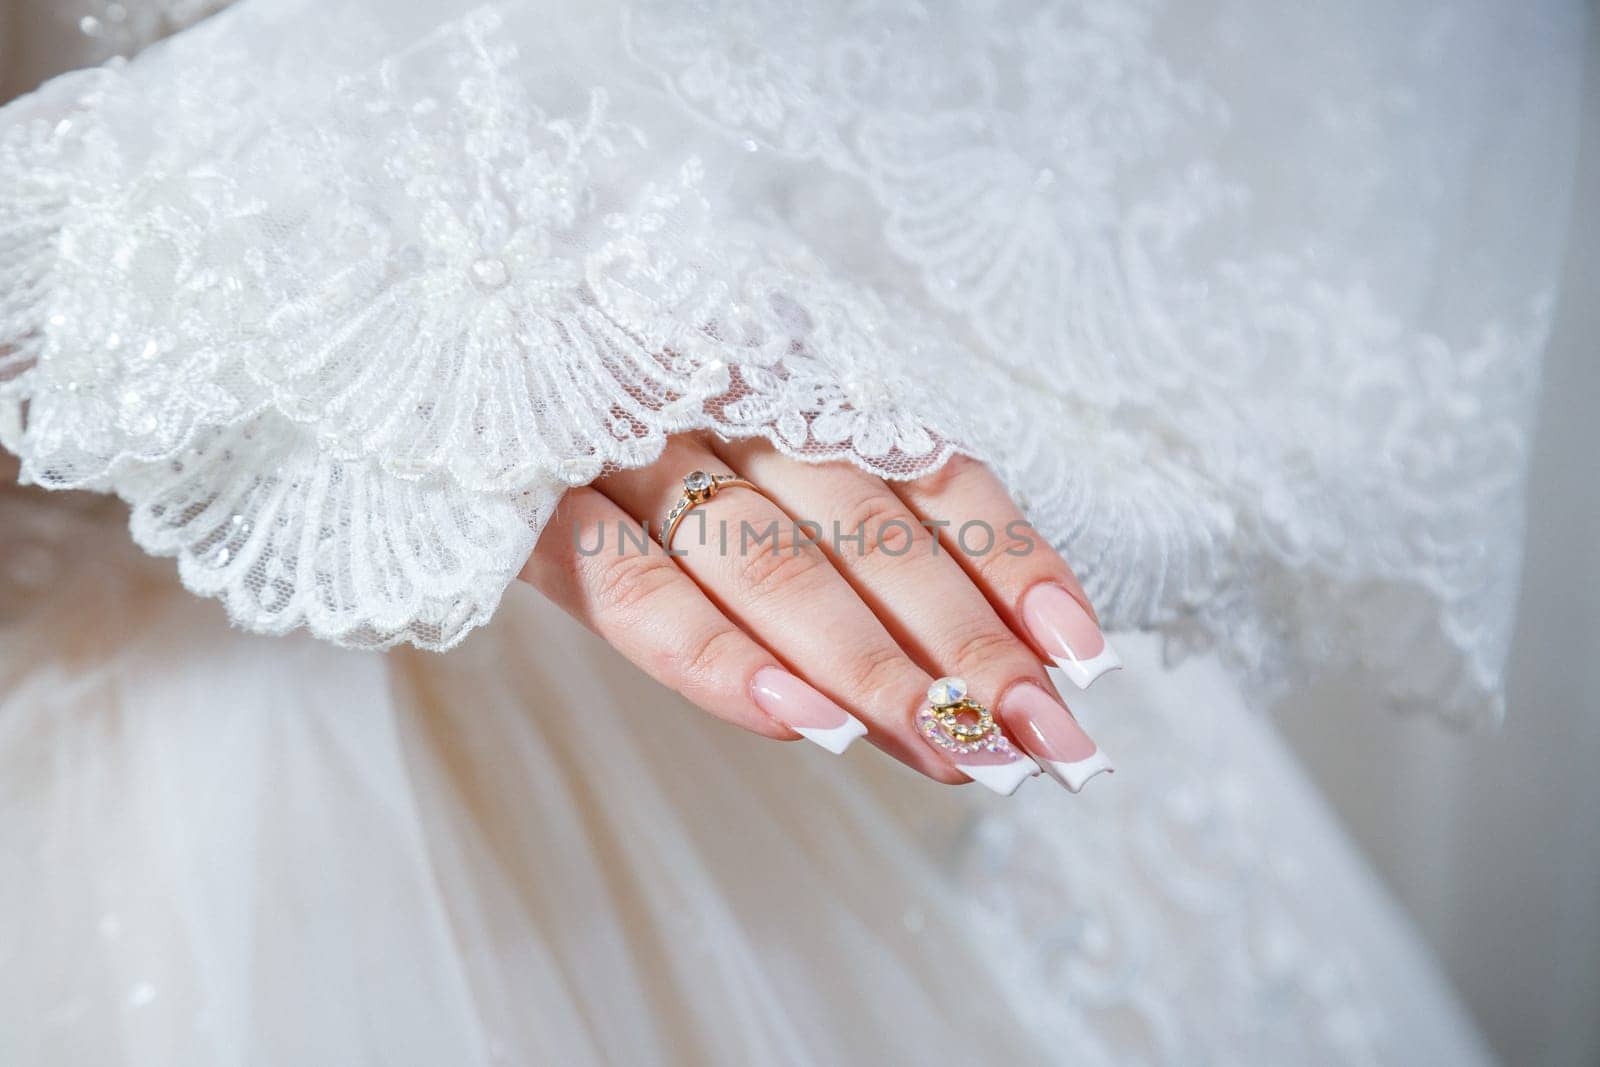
(804, 710)
(1065, 630)
(971, 739)
(1049, 732)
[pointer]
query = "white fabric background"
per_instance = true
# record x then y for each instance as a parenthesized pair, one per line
(1492, 838)
(213, 835)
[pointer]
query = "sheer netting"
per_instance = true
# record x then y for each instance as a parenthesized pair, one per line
(1243, 302)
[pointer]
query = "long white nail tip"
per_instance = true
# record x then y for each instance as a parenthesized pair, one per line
(990, 759)
(834, 738)
(1002, 778)
(809, 713)
(1085, 672)
(1076, 775)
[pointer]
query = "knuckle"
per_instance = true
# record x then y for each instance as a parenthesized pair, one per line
(992, 564)
(887, 529)
(628, 584)
(877, 671)
(789, 564)
(1016, 542)
(957, 470)
(1002, 554)
(979, 644)
(706, 656)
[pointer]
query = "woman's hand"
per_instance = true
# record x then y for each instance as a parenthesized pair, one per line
(766, 617)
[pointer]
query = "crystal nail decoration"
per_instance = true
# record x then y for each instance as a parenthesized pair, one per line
(947, 691)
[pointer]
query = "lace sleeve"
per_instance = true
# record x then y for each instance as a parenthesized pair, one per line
(342, 303)
(342, 328)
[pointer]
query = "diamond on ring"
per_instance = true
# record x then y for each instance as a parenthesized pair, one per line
(698, 487)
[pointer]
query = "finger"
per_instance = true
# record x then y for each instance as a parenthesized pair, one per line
(771, 577)
(1026, 580)
(646, 607)
(931, 606)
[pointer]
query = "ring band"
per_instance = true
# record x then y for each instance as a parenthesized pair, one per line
(699, 487)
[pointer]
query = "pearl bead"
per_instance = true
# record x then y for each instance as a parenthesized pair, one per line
(490, 273)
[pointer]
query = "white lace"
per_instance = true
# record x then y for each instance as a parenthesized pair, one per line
(342, 312)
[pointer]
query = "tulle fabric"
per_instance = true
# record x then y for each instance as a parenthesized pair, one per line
(219, 848)
(1243, 301)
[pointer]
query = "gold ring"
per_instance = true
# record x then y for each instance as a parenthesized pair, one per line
(699, 487)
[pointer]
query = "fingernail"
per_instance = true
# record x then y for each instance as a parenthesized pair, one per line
(1065, 630)
(1049, 732)
(804, 710)
(991, 759)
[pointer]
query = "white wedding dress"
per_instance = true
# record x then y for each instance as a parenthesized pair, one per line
(1244, 303)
